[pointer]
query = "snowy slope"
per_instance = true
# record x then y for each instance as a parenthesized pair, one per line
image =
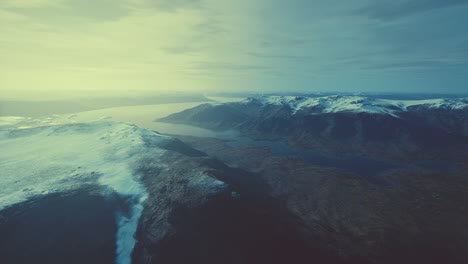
(357, 104)
(49, 159)
(56, 158)
(37, 158)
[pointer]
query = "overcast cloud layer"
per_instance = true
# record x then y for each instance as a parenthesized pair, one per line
(128, 46)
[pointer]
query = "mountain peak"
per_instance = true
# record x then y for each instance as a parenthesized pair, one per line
(355, 104)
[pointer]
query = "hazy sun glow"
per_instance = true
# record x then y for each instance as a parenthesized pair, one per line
(118, 46)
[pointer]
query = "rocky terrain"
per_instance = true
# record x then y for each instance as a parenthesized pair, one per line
(412, 211)
(242, 224)
(419, 218)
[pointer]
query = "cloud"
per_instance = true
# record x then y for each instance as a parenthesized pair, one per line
(122, 44)
(282, 56)
(29, 3)
(183, 49)
(424, 64)
(393, 10)
(229, 66)
(10, 16)
(166, 5)
(211, 26)
(69, 11)
(161, 43)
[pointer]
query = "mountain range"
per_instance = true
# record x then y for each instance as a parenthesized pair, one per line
(332, 179)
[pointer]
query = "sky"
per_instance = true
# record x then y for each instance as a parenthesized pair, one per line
(51, 47)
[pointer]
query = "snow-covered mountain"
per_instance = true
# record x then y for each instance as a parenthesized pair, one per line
(166, 202)
(422, 145)
(156, 199)
(57, 158)
(341, 124)
(356, 104)
(43, 160)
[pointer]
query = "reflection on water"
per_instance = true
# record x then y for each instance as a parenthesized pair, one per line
(186, 130)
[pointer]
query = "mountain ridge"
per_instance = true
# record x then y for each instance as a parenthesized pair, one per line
(340, 125)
